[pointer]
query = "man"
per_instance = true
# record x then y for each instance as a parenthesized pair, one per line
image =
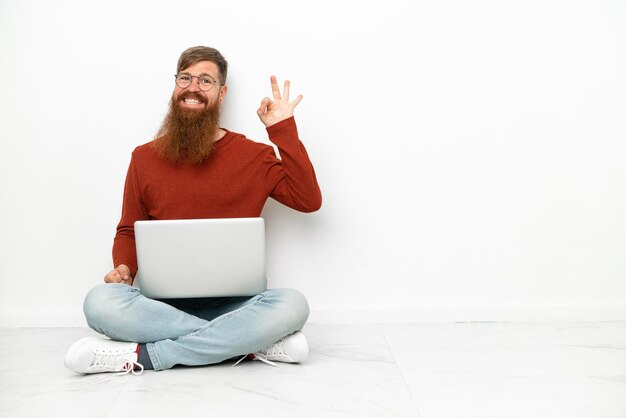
(196, 169)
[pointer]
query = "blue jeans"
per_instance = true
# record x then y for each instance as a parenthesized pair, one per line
(195, 331)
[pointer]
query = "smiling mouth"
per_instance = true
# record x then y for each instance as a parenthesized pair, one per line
(192, 101)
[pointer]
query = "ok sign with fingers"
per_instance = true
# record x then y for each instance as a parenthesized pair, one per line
(280, 108)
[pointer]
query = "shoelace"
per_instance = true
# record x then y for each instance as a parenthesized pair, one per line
(275, 349)
(129, 367)
(110, 360)
(256, 356)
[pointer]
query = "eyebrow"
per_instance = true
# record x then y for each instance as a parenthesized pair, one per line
(201, 74)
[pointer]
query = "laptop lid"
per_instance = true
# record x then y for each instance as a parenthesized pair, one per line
(192, 258)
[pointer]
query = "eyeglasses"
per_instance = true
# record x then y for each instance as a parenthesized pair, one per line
(205, 82)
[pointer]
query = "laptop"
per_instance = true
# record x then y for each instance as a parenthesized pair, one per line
(194, 258)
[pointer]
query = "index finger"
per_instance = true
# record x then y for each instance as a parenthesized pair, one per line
(275, 89)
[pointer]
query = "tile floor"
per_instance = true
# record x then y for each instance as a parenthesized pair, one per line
(567, 369)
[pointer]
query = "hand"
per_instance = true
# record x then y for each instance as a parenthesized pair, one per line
(121, 274)
(273, 111)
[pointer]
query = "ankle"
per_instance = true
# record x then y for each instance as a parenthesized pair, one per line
(143, 356)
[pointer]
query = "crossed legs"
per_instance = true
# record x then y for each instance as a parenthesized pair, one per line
(195, 331)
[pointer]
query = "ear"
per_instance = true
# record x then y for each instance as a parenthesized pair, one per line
(223, 92)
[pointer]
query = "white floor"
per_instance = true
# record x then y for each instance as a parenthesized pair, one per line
(399, 370)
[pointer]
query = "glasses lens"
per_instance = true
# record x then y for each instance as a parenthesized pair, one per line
(183, 80)
(205, 83)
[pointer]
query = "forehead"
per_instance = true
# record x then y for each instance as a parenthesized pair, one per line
(202, 67)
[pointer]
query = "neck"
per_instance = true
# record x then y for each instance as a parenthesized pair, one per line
(220, 134)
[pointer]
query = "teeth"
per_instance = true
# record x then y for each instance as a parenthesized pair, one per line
(192, 101)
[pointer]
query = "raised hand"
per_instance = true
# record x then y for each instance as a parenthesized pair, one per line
(280, 108)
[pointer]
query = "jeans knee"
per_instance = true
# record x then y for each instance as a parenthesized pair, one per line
(294, 306)
(99, 303)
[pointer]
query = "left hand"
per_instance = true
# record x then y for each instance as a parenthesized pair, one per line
(273, 111)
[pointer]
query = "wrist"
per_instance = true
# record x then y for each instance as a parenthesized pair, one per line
(286, 129)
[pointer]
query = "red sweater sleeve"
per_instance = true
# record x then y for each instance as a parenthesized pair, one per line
(133, 209)
(294, 177)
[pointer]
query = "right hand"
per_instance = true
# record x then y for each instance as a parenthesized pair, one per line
(273, 111)
(120, 274)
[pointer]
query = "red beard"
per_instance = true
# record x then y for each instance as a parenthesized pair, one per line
(187, 134)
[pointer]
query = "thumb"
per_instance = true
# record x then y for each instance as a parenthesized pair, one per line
(124, 271)
(263, 108)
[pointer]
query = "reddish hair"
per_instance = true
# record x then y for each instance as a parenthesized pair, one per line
(195, 54)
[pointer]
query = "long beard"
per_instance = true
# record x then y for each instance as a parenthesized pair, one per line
(188, 134)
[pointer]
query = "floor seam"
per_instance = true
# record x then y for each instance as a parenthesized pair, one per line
(395, 361)
(117, 397)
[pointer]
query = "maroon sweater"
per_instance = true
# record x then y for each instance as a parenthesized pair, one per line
(234, 182)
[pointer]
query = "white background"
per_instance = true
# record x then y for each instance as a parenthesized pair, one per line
(470, 154)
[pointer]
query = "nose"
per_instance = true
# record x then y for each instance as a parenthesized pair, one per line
(195, 84)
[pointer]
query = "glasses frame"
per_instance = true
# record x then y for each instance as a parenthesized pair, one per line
(214, 82)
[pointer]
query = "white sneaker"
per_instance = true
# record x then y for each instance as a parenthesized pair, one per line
(98, 355)
(294, 348)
